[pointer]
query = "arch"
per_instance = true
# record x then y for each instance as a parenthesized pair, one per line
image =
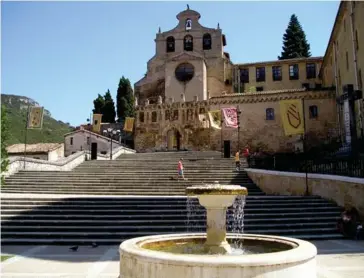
(313, 111)
(188, 43)
(206, 41)
(170, 44)
(174, 137)
(269, 114)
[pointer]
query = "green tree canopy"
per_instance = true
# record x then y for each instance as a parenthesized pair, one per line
(108, 112)
(295, 44)
(99, 104)
(125, 100)
(4, 139)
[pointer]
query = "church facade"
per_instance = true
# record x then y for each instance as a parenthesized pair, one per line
(191, 74)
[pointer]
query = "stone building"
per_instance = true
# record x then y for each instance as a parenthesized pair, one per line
(42, 151)
(190, 74)
(343, 65)
(85, 140)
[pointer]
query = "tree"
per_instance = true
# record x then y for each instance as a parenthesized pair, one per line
(108, 112)
(4, 137)
(124, 100)
(99, 104)
(295, 44)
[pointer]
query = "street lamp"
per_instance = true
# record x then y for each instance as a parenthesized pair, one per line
(238, 112)
(111, 133)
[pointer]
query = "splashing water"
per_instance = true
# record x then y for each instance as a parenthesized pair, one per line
(195, 216)
(235, 219)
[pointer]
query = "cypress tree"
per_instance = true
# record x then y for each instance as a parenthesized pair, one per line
(108, 112)
(124, 100)
(295, 44)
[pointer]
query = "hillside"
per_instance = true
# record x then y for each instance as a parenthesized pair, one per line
(17, 106)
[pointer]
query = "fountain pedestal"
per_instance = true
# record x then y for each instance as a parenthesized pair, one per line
(216, 207)
(293, 258)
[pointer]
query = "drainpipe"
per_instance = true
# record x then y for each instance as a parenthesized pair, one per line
(355, 62)
(338, 106)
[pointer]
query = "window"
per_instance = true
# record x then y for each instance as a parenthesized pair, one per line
(293, 72)
(269, 114)
(360, 81)
(141, 117)
(277, 73)
(88, 140)
(206, 42)
(347, 60)
(71, 141)
(260, 74)
(259, 89)
(170, 44)
(318, 86)
(310, 70)
(244, 75)
(188, 24)
(313, 112)
(184, 72)
(95, 122)
(188, 43)
(344, 25)
(154, 116)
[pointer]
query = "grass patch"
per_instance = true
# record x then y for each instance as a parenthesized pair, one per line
(5, 257)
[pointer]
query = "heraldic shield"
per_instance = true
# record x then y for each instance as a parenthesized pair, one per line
(292, 116)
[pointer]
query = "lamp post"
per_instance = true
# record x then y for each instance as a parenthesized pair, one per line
(238, 112)
(110, 133)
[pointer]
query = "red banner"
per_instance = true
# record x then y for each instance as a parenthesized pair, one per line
(230, 117)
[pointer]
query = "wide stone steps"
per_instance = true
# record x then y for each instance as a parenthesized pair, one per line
(145, 199)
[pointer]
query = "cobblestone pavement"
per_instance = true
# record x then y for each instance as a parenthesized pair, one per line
(336, 259)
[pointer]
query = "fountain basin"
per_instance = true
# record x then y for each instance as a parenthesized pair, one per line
(297, 258)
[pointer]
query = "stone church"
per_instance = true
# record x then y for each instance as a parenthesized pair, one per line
(189, 64)
(191, 74)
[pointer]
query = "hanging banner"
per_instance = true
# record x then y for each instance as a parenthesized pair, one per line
(129, 124)
(203, 120)
(230, 117)
(292, 116)
(35, 117)
(215, 119)
(96, 122)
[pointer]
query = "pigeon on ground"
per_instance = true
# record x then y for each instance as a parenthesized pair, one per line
(94, 245)
(74, 248)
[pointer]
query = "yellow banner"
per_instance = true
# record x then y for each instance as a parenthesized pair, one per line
(129, 124)
(292, 116)
(35, 117)
(215, 119)
(96, 122)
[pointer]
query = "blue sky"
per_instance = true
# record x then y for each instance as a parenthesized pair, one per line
(62, 54)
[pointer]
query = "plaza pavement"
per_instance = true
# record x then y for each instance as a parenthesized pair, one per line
(336, 259)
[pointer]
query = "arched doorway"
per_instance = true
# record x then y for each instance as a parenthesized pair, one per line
(173, 140)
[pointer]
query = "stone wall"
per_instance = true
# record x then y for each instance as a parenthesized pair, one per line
(153, 122)
(345, 191)
(64, 164)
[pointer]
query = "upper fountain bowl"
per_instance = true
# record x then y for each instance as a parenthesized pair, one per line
(216, 189)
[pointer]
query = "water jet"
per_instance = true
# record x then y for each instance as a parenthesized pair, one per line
(216, 253)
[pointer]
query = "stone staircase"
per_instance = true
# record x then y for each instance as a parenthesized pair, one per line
(140, 198)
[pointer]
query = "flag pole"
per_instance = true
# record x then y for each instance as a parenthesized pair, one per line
(222, 148)
(26, 135)
(304, 145)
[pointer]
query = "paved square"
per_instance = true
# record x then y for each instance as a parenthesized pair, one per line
(336, 259)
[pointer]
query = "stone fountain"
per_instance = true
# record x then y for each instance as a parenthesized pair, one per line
(210, 254)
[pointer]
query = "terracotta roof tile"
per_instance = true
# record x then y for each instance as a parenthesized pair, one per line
(33, 148)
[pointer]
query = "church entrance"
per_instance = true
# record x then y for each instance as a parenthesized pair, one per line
(173, 140)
